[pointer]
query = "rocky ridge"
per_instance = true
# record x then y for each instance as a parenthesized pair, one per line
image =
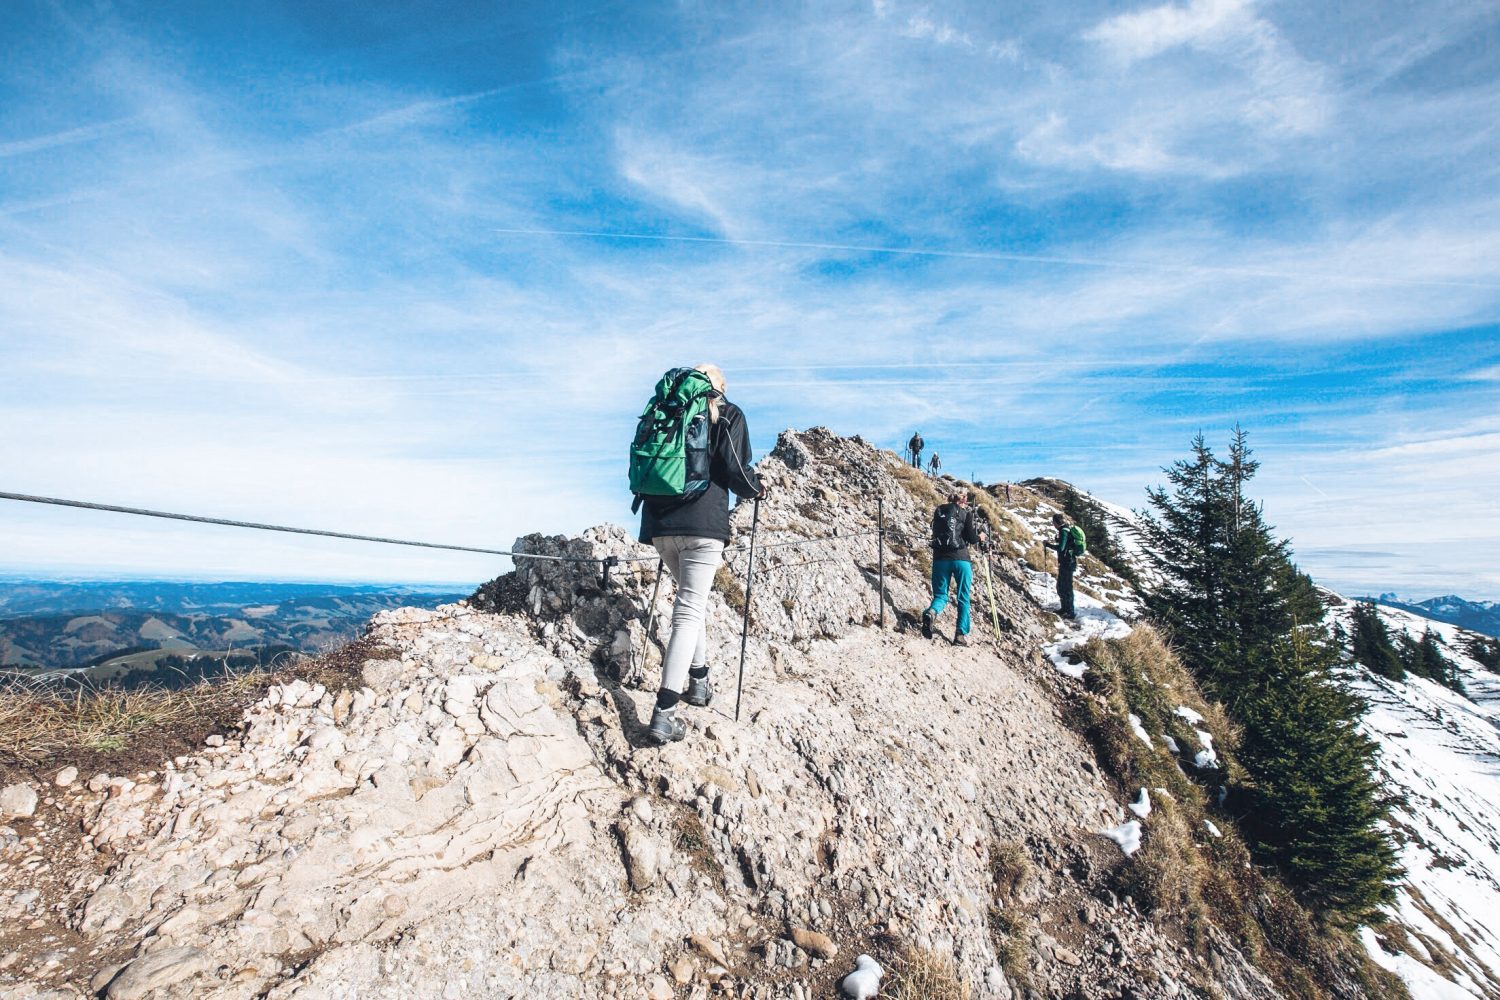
(481, 816)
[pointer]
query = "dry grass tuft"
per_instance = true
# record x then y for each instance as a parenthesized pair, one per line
(1008, 932)
(727, 584)
(40, 723)
(918, 484)
(1010, 867)
(47, 724)
(925, 975)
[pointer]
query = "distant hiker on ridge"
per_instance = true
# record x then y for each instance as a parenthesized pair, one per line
(954, 529)
(934, 465)
(1070, 545)
(914, 449)
(692, 447)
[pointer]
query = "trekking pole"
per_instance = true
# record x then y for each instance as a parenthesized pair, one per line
(739, 687)
(651, 611)
(880, 547)
(989, 588)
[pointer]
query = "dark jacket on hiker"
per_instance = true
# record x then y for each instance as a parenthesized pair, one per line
(969, 530)
(1066, 554)
(707, 514)
(1067, 564)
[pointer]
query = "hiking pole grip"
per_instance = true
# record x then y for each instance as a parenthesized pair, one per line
(739, 687)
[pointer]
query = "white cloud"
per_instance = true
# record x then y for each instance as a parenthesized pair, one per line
(704, 186)
(1145, 33)
(923, 27)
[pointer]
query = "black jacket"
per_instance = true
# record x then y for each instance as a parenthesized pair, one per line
(707, 514)
(970, 534)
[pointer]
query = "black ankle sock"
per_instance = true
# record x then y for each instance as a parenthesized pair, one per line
(698, 672)
(666, 699)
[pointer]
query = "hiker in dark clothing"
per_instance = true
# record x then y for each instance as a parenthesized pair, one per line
(954, 529)
(934, 465)
(914, 448)
(1067, 562)
(690, 534)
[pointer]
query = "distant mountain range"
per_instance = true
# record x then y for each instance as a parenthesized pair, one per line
(1477, 616)
(112, 627)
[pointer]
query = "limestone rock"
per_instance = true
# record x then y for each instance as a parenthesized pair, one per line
(18, 801)
(708, 948)
(158, 968)
(641, 857)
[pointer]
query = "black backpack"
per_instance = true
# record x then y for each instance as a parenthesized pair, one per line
(948, 527)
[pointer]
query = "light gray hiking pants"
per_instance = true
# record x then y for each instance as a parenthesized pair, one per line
(692, 562)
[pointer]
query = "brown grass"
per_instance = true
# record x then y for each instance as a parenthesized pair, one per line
(726, 583)
(1182, 873)
(1008, 932)
(918, 484)
(926, 975)
(45, 727)
(1010, 867)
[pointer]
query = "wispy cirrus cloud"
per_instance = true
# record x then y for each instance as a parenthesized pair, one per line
(1059, 240)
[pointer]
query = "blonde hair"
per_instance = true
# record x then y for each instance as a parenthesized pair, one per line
(716, 379)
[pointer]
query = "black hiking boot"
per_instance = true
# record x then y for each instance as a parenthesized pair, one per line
(699, 691)
(666, 727)
(927, 624)
(959, 639)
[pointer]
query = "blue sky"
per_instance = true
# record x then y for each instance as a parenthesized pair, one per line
(404, 270)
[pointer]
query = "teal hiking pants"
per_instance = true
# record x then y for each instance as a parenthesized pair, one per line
(962, 572)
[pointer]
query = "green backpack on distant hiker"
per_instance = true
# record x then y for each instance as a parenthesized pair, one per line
(671, 456)
(1073, 541)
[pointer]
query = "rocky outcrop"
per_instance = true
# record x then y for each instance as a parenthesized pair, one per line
(482, 817)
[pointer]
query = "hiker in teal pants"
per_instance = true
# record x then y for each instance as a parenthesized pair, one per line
(953, 530)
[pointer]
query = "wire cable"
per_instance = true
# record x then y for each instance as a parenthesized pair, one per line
(142, 512)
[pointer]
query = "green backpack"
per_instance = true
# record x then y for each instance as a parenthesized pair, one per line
(1077, 544)
(670, 456)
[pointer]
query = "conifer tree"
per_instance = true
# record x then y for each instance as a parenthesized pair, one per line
(1371, 642)
(1425, 659)
(1250, 625)
(1484, 650)
(1085, 512)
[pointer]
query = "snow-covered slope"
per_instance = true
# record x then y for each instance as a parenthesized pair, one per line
(1441, 758)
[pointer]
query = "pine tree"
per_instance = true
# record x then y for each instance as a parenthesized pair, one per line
(1249, 624)
(1425, 659)
(1371, 642)
(1317, 805)
(1085, 512)
(1229, 587)
(1484, 651)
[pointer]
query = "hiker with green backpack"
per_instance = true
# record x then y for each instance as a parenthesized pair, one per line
(691, 450)
(1070, 545)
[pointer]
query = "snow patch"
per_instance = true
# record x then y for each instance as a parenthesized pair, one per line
(1127, 835)
(1207, 757)
(1140, 730)
(1142, 805)
(1187, 713)
(1422, 981)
